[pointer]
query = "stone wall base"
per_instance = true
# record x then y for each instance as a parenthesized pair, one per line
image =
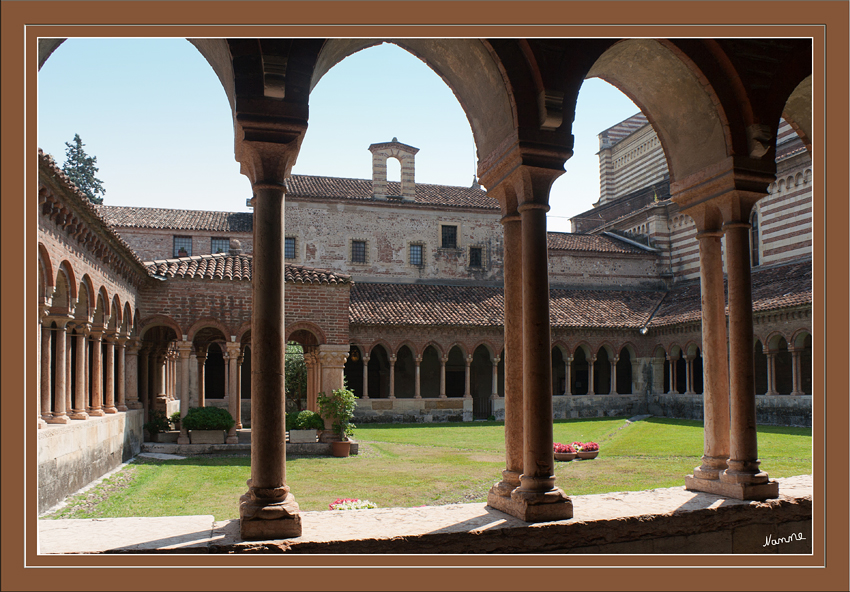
(741, 491)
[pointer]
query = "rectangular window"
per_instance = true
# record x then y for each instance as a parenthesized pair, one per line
(358, 251)
(182, 246)
(416, 255)
(219, 245)
(449, 237)
(475, 258)
(289, 248)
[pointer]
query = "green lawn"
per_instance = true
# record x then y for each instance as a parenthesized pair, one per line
(431, 464)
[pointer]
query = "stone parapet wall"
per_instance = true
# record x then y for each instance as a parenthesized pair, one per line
(412, 410)
(70, 456)
(770, 409)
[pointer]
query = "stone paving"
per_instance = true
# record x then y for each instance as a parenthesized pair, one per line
(610, 522)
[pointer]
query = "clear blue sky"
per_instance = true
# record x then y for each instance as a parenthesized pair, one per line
(156, 117)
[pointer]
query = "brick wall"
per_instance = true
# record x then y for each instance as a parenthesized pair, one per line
(154, 243)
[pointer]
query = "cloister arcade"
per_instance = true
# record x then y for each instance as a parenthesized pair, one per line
(715, 104)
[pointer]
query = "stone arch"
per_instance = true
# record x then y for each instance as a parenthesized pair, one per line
(481, 380)
(469, 69)
(353, 369)
(82, 310)
(379, 370)
(665, 84)
(159, 321)
(559, 371)
(300, 330)
(798, 111)
(116, 319)
(456, 370)
(62, 293)
(410, 345)
(581, 370)
(625, 369)
(405, 371)
(491, 349)
(429, 371)
(760, 367)
(243, 334)
(205, 323)
(47, 268)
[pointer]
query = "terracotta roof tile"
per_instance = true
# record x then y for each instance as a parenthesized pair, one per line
(361, 189)
(419, 304)
(237, 268)
(135, 217)
(773, 288)
(564, 241)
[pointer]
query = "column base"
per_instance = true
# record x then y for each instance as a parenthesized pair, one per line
(79, 415)
(259, 520)
(543, 507)
(110, 410)
(96, 413)
(183, 438)
(121, 408)
(41, 423)
(134, 405)
(741, 491)
(61, 419)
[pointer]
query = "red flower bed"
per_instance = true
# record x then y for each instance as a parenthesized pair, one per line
(564, 448)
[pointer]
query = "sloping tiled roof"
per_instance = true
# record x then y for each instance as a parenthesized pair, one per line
(564, 241)
(50, 166)
(773, 288)
(237, 268)
(361, 189)
(134, 217)
(418, 304)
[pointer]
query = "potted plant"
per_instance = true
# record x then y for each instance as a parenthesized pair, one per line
(339, 410)
(564, 452)
(304, 426)
(208, 425)
(158, 427)
(586, 450)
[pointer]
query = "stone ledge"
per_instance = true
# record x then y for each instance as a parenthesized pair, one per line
(657, 521)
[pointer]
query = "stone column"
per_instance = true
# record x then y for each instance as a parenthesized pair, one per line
(417, 392)
(132, 374)
(393, 358)
(796, 372)
(537, 497)
(235, 403)
(311, 361)
(239, 362)
(743, 465)
(614, 361)
(715, 365)
(771, 373)
(674, 389)
(568, 375)
(193, 379)
(202, 382)
(689, 375)
(45, 386)
(332, 361)
(466, 392)
(109, 386)
(267, 152)
(494, 391)
(184, 349)
(80, 388)
(60, 377)
(96, 409)
(144, 380)
(443, 361)
(121, 372)
(365, 376)
(499, 495)
(590, 362)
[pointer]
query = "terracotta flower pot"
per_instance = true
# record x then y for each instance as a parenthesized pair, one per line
(588, 454)
(565, 456)
(341, 449)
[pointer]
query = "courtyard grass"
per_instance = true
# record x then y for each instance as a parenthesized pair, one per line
(430, 464)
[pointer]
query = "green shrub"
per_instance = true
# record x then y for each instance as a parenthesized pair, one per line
(157, 422)
(309, 420)
(339, 408)
(208, 418)
(174, 420)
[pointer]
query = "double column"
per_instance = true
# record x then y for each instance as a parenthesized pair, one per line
(523, 193)
(232, 354)
(720, 201)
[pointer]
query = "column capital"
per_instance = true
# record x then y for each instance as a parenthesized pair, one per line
(393, 359)
(496, 360)
(444, 360)
(365, 358)
(469, 360)
(234, 348)
(266, 150)
(418, 360)
(333, 356)
(723, 192)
